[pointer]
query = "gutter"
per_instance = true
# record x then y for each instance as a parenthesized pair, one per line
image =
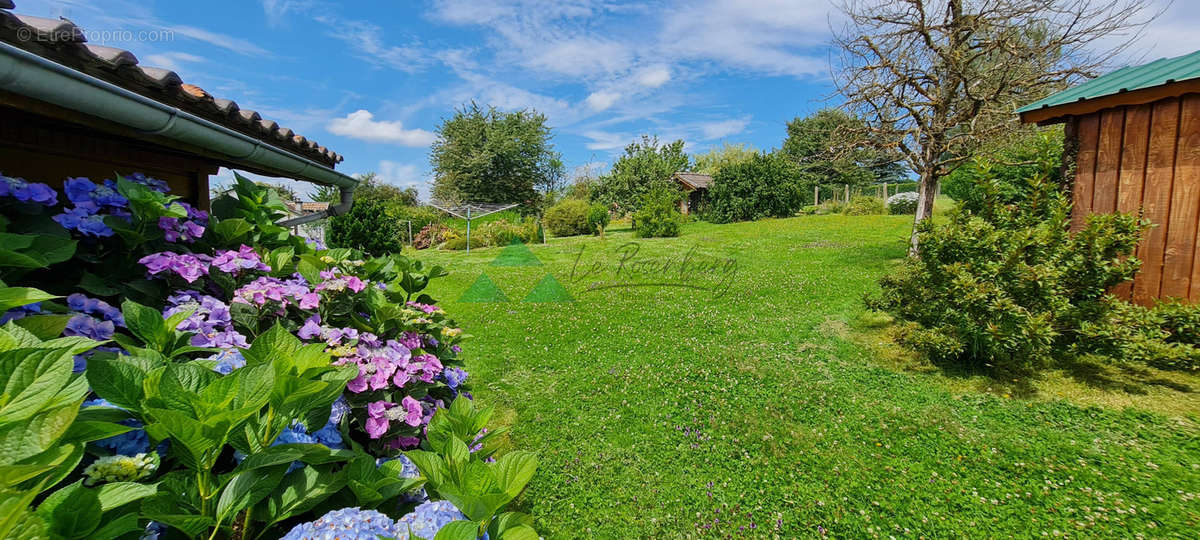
(333, 210)
(30, 75)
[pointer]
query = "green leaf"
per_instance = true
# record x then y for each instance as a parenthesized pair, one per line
(458, 530)
(44, 326)
(117, 527)
(97, 285)
(11, 475)
(116, 494)
(147, 324)
(196, 444)
(11, 297)
(29, 378)
(247, 488)
(300, 491)
(119, 380)
(520, 532)
(190, 524)
(82, 432)
(72, 512)
(230, 231)
(32, 436)
(514, 470)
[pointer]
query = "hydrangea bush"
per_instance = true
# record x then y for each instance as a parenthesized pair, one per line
(229, 377)
(902, 203)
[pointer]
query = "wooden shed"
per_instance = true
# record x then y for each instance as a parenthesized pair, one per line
(1135, 139)
(70, 108)
(695, 187)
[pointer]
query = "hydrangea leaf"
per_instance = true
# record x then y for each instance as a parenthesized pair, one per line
(514, 470)
(11, 297)
(72, 512)
(458, 530)
(44, 326)
(116, 494)
(119, 380)
(30, 378)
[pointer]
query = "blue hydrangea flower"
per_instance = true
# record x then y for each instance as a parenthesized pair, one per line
(23, 191)
(227, 361)
(426, 520)
(21, 312)
(345, 524)
(152, 183)
(454, 377)
(86, 326)
(131, 442)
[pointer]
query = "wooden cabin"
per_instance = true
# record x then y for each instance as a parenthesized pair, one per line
(69, 108)
(695, 188)
(1133, 137)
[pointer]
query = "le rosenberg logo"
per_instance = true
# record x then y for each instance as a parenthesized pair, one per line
(622, 268)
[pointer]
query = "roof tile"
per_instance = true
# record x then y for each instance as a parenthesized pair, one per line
(59, 40)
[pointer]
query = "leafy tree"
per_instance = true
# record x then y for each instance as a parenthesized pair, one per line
(1000, 173)
(719, 157)
(371, 226)
(646, 165)
(490, 156)
(659, 215)
(370, 186)
(935, 78)
(824, 153)
(765, 186)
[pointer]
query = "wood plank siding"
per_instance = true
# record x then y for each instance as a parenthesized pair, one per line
(1146, 158)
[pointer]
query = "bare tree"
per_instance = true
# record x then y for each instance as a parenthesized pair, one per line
(934, 78)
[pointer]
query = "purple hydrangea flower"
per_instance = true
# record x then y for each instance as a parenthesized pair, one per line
(86, 326)
(234, 262)
(210, 320)
(187, 230)
(92, 306)
(152, 183)
(186, 265)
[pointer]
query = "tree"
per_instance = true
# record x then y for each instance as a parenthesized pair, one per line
(370, 187)
(824, 148)
(718, 158)
(766, 185)
(490, 156)
(646, 165)
(934, 78)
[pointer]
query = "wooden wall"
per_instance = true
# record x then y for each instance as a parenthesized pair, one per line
(1146, 157)
(45, 150)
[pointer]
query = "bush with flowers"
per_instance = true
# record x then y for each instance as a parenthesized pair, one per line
(245, 382)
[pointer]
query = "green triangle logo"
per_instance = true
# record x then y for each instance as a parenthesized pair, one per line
(516, 253)
(483, 290)
(549, 290)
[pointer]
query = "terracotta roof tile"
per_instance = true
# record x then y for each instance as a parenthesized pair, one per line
(60, 41)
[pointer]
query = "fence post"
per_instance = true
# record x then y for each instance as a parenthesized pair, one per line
(847, 193)
(816, 194)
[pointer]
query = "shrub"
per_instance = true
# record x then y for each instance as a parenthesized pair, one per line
(831, 207)
(865, 205)
(252, 386)
(1164, 336)
(1001, 175)
(659, 216)
(503, 232)
(420, 216)
(764, 186)
(1011, 292)
(432, 235)
(459, 243)
(568, 218)
(371, 226)
(597, 218)
(809, 210)
(902, 203)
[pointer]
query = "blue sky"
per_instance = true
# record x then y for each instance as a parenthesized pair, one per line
(372, 79)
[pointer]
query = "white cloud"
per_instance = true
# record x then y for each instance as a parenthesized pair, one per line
(361, 125)
(653, 76)
(170, 60)
(224, 41)
(604, 140)
(777, 37)
(368, 40)
(723, 128)
(599, 101)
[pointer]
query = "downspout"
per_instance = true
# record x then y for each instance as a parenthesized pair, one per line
(30, 75)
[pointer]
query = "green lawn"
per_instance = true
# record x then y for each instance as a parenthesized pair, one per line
(777, 408)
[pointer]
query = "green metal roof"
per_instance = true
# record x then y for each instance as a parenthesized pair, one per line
(1158, 72)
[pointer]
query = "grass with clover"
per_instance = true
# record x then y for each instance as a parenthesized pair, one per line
(779, 408)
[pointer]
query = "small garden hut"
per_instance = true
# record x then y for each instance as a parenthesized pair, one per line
(695, 187)
(71, 108)
(1133, 137)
